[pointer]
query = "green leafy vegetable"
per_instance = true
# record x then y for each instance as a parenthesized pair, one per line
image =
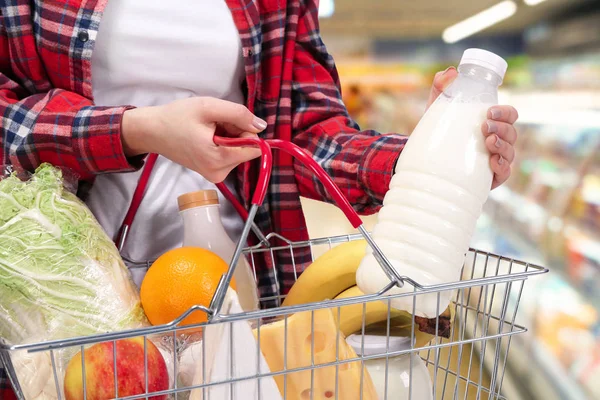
(60, 275)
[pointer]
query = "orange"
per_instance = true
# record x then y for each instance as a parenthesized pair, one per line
(179, 279)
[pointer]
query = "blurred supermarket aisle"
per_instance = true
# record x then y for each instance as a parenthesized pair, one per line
(549, 212)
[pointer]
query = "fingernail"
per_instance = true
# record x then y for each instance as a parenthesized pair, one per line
(501, 160)
(259, 123)
(495, 113)
(448, 69)
(498, 142)
(492, 127)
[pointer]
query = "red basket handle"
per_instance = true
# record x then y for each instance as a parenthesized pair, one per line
(266, 164)
(259, 196)
(265, 171)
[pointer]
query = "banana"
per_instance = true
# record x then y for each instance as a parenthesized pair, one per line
(375, 317)
(333, 276)
(351, 316)
(328, 275)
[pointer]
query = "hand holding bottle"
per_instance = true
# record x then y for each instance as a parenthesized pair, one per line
(498, 129)
(441, 181)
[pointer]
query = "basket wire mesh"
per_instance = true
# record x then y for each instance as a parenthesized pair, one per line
(470, 364)
(465, 356)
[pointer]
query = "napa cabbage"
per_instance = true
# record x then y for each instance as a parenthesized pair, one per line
(60, 274)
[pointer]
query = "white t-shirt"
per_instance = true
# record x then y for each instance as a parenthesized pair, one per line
(151, 52)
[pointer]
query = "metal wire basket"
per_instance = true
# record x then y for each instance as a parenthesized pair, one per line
(466, 361)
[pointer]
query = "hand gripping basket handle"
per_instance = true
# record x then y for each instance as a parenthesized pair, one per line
(259, 196)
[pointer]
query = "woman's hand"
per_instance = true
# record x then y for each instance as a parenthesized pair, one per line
(183, 132)
(501, 137)
(498, 129)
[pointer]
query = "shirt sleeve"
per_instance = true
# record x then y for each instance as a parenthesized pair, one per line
(6, 392)
(57, 126)
(360, 162)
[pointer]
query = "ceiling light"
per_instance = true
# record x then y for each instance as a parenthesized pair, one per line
(326, 8)
(480, 21)
(533, 2)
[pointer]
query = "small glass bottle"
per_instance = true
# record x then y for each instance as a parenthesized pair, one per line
(202, 228)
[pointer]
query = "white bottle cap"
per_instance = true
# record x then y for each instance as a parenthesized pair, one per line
(377, 344)
(485, 59)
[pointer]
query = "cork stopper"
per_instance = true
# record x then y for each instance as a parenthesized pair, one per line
(197, 199)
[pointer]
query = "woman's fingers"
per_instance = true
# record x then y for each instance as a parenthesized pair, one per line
(501, 168)
(225, 160)
(501, 137)
(440, 82)
(506, 114)
(496, 145)
(243, 154)
(234, 156)
(506, 131)
(230, 114)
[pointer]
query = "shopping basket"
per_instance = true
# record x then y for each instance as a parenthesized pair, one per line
(467, 362)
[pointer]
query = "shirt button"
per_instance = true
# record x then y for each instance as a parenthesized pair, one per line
(83, 36)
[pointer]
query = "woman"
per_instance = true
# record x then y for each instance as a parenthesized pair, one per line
(95, 86)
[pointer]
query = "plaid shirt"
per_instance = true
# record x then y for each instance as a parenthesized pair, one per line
(48, 113)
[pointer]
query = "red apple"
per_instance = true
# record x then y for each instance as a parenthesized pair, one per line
(100, 375)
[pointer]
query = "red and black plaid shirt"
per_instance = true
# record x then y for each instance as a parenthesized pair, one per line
(48, 113)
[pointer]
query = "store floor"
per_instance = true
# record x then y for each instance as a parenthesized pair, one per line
(326, 220)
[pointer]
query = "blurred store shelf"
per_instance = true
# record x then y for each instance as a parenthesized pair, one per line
(548, 213)
(534, 371)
